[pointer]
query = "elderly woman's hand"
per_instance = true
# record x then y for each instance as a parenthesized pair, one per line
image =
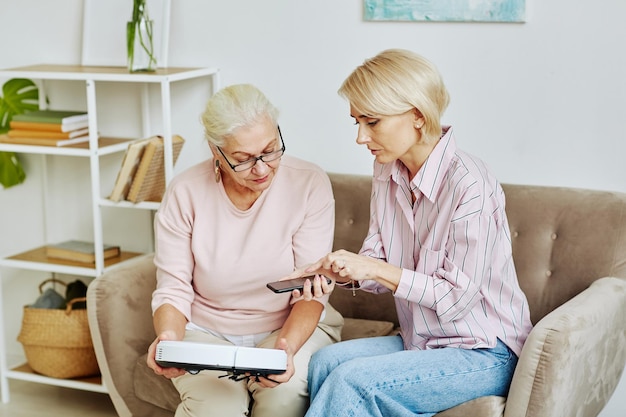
(168, 373)
(315, 289)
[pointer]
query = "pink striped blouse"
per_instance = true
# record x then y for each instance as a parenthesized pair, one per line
(458, 286)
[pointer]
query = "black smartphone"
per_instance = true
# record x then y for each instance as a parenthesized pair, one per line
(289, 285)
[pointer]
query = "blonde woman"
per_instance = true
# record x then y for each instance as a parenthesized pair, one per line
(439, 241)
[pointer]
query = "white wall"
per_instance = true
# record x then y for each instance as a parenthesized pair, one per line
(542, 102)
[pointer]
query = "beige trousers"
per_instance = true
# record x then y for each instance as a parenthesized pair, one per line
(208, 395)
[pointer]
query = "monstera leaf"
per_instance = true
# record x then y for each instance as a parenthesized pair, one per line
(11, 171)
(19, 95)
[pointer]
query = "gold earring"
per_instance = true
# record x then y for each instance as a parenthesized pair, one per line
(218, 172)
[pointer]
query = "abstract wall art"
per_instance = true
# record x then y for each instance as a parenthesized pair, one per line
(446, 10)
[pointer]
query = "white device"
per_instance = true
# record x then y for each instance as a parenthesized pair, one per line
(194, 357)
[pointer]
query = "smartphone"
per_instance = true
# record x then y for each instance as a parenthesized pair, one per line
(289, 285)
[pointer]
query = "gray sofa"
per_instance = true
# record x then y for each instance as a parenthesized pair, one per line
(569, 247)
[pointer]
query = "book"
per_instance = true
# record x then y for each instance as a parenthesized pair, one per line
(21, 133)
(43, 141)
(79, 251)
(149, 181)
(125, 175)
(52, 116)
(48, 127)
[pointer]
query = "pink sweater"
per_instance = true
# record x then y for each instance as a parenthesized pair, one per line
(214, 260)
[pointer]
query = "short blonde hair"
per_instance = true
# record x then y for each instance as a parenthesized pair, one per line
(233, 107)
(396, 81)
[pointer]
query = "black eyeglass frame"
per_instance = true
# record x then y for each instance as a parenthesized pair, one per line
(257, 158)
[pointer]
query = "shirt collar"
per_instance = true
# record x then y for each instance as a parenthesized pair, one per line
(431, 174)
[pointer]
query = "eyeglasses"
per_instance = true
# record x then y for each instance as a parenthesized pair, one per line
(266, 157)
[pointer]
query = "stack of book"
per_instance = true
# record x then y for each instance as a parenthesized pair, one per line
(142, 174)
(48, 128)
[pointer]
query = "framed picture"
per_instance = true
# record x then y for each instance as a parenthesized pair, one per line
(446, 10)
(104, 31)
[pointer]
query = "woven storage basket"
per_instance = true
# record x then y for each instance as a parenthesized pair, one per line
(57, 342)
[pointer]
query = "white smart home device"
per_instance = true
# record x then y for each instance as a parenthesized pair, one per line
(194, 357)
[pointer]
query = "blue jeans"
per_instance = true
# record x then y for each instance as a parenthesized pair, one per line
(377, 377)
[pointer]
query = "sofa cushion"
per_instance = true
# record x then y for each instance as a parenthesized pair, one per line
(357, 328)
(490, 406)
(152, 388)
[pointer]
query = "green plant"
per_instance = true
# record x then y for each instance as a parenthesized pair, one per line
(139, 37)
(19, 95)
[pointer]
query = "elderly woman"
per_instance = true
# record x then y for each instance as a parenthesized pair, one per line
(439, 240)
(225, 228)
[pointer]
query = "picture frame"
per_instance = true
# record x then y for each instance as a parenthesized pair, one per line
(508, 11)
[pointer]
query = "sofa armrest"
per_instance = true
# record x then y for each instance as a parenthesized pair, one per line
(574, 356)
(120, 321)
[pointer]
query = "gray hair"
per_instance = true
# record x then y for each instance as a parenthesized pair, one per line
(234, 107)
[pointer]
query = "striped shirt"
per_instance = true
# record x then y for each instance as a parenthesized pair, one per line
(458, 285)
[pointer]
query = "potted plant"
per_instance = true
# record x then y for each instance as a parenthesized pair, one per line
(19, 95)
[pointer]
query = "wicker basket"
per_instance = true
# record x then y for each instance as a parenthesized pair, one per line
(57, 342)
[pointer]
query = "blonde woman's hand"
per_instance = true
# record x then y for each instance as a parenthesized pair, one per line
(344, 266)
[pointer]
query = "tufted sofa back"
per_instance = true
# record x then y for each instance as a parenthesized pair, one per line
(352, 208)
(563, 239)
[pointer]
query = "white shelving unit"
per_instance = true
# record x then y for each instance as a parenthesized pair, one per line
(36, 259)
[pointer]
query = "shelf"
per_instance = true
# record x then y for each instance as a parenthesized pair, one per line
(145, 205)
(99, 73)
(106, 145)
(37, 260)
(25, 372)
